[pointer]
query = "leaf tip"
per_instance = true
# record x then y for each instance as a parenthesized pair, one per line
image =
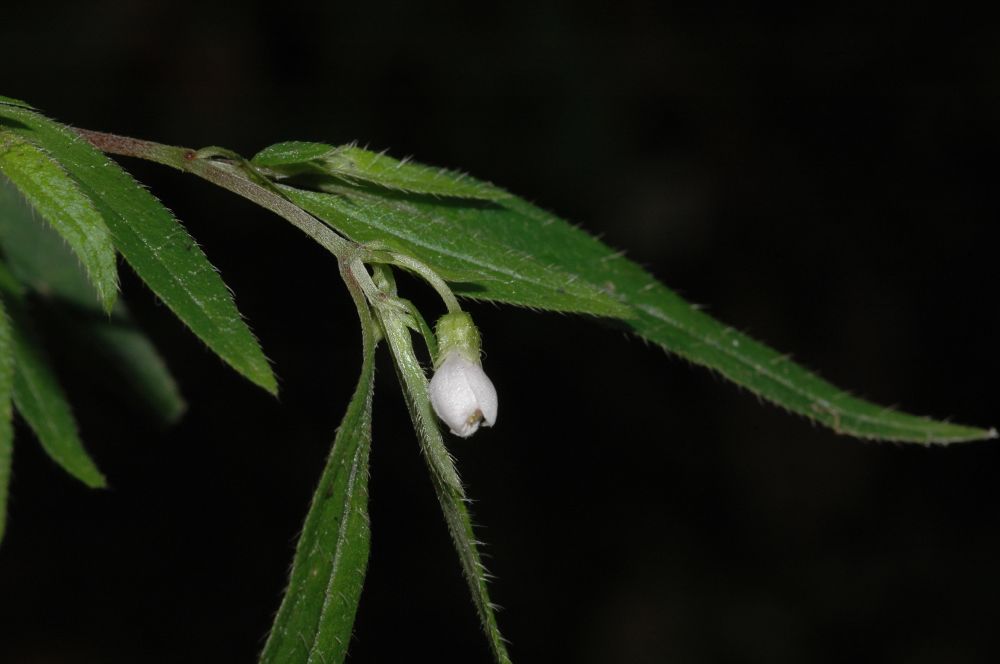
(266, 380)
(176, 411)
(108, 300)
(969, 435)
(10, 101)
(93, 478)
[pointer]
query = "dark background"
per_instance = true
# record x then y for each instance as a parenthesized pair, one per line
(823, 178)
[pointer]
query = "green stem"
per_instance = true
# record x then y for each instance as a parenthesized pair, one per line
(370, 334)
(228, 177)
(425, 330)
(428, 275)
(207, 165)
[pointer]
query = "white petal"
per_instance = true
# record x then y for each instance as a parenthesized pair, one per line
(486, 394)
(462, 395)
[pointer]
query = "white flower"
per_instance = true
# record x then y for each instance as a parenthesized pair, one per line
(462, 395)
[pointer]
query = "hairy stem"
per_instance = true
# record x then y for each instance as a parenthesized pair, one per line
(227, 176)
(430, 276)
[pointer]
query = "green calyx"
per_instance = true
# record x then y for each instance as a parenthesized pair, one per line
(456, 332)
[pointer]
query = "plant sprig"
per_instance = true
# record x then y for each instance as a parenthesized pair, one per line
(466, 238)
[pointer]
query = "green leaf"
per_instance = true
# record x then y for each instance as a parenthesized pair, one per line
(355, 165)
(456, 515)
(513, 252)
(447, 485)
(285, 156)
(673, 324)
(666, 319)
(160, 250)
(112, 348)
(38, 256)
(6, 426)
(42, 404)
(317, 613)
(58, 199)
(125, 360)
(471, 245)
(14, 102)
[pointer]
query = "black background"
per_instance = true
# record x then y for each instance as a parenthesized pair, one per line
(823, 178)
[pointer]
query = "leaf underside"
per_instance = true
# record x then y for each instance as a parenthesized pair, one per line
(154, 243)
(317, 613)
(510, 251)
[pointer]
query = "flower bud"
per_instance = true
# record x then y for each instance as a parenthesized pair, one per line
(461, 393)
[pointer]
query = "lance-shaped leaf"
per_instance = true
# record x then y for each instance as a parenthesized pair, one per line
(509, 251)
(160, 250)
(316, 616)
(6, 426)
(60, 201)
(450, 493)
(456, 515)
(38, 256)
(43, 405)
(354, 164)
(666, 319)
(111, 349)
(116, 353)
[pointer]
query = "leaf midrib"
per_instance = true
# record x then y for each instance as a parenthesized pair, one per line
(338, 555)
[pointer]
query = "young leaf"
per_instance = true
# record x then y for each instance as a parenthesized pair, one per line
(160, 250)
(511, 251)
(6, 426)
(58, 199)
(316, 616)
(353, 164)
(42, 404)
(110, 348)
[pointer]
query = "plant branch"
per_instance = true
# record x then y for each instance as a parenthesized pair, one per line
(227, 176)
